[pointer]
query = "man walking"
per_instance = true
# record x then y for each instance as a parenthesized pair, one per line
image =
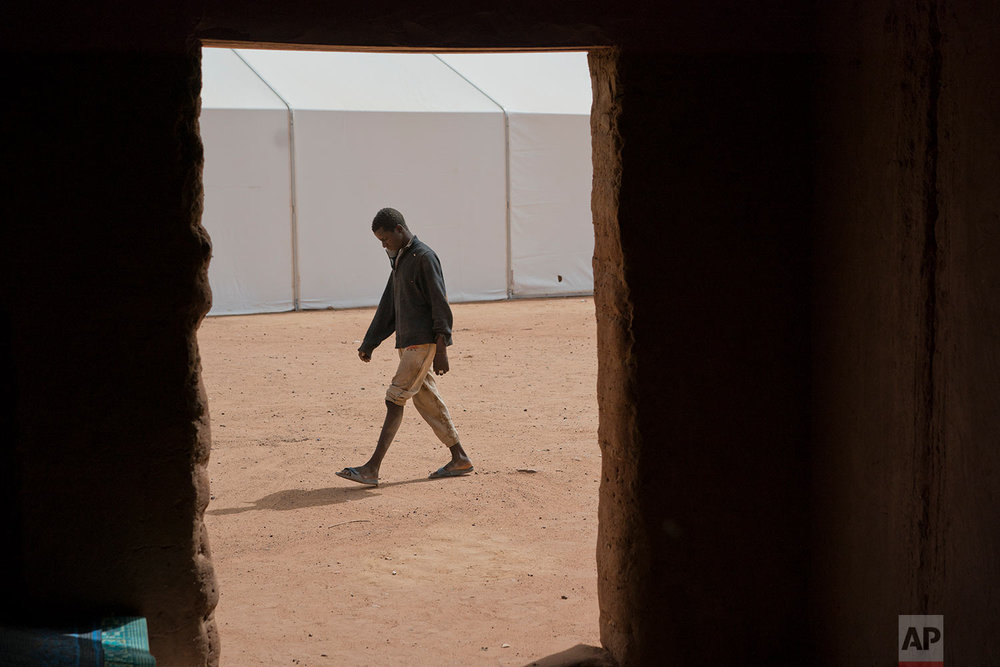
(415, 307)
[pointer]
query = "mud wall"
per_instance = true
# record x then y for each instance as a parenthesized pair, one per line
(905, 374)
(969, 326)
(105, 420)
(796, 255)
(700, 504)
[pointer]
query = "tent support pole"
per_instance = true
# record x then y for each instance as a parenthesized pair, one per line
(506, 154)
(294, 212)
(296, 304)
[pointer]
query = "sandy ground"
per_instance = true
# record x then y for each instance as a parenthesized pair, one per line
(497, 568)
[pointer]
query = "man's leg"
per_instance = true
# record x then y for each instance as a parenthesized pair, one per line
(393, 418)
(414, 363)
(431, 407)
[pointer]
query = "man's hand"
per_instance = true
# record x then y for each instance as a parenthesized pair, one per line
(364, 356)
(441, 357)
(441, 361)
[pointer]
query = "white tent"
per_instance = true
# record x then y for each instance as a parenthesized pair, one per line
(378, 129)
(366, 130)
(247, 179)
(547, 99)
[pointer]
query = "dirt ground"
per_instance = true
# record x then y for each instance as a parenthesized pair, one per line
(497, 568)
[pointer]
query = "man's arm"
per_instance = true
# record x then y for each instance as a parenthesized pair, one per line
(437, 298)
(382, 326)
(441, 319)
(441, 355)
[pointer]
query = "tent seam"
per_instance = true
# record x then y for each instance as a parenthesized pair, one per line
(296, 305)
(506, 149)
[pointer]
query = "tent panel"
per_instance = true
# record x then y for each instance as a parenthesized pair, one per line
(229, 84)
(529, 82)
(552, 233)
(366, 81)
(444, 172)
(248, 210)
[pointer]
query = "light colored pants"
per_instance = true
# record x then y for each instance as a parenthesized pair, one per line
(415, 380)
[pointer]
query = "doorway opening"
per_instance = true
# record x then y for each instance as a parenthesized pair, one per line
(497, 566)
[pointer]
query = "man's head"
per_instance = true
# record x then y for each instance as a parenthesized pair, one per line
(390, 228)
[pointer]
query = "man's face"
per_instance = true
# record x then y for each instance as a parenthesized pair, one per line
(391, 240)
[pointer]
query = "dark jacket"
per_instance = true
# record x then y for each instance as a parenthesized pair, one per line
(414, 303)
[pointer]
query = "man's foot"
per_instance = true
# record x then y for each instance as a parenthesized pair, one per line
(359, 475)
(458, 466)
(450, 471)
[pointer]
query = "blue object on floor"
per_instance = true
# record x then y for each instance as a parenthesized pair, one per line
(114, 642)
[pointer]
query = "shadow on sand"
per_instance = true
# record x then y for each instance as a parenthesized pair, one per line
(293, 499)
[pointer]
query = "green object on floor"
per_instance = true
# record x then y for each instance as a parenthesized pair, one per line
(126, 642)
(121, 641)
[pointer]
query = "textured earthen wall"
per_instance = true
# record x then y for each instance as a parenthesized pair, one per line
(967, 380)
(874, 322)
(622, 550)
(906, 364)
(105, 264)
(714, 211)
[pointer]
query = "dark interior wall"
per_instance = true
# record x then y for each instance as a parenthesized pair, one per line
(795, 273)
(714, 211)
(906, 314)
(104, 285)
(872, 310)
(968, 393)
